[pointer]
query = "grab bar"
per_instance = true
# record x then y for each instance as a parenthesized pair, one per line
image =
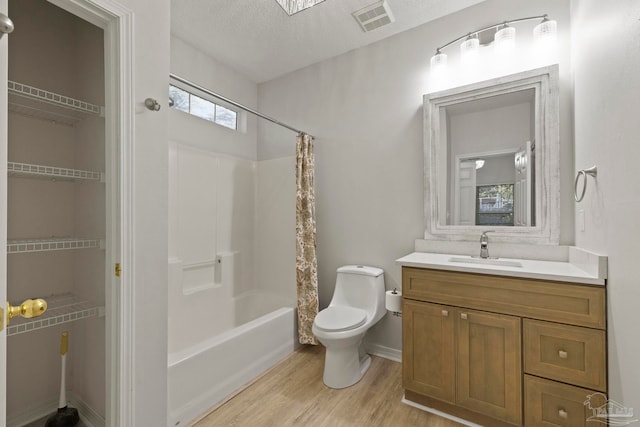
(202, 264)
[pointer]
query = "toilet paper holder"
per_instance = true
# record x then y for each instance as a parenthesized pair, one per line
(394, 312)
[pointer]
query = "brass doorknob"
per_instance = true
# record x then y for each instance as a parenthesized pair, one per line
(28, 309)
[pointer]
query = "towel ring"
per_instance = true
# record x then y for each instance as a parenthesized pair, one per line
(593, 171)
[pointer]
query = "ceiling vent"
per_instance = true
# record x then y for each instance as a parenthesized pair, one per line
(374, 16)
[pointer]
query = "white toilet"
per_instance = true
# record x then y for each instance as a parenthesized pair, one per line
(357, 304)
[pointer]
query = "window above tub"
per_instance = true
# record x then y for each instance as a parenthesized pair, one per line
(198, 106)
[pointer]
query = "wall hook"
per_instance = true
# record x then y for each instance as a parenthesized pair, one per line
(6, 25)
(592, 171)
(152, 104)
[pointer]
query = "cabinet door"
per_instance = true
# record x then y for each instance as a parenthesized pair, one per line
(489, 379)
(428, 356)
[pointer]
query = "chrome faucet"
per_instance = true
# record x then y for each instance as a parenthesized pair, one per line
(484, 244)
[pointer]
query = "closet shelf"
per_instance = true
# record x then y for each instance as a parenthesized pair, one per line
(15, 246)
(26, 170)
(63, 308)
(46, 105)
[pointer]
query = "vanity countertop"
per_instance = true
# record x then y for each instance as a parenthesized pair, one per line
(562, 271)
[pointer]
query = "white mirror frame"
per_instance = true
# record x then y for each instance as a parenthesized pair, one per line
(547, 139)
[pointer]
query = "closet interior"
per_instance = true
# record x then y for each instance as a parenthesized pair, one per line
(56, 213)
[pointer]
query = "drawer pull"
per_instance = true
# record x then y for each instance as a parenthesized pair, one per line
(445, 313)
(563, 354)
(563, 414)
(463, 316)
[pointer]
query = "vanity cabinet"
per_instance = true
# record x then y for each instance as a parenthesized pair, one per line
(502, 350)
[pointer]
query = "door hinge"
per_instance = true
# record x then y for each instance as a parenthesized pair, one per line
(118, 269)
(1, 319)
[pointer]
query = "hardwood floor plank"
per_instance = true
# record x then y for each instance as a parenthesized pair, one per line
(293, 394)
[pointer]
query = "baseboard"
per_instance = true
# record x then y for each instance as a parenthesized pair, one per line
(439, 413)
(88, 416)
(34, 413)
(385, 352)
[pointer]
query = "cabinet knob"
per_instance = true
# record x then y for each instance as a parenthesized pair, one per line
(563, 414)
(445, 313)
(563, 354)
(463, 316)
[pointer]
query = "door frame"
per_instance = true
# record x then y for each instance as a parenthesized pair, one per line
(4, 120)
(117, 22)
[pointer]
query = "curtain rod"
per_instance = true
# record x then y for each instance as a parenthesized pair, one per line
(235, 104)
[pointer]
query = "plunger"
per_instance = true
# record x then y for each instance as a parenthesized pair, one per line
(65, 416)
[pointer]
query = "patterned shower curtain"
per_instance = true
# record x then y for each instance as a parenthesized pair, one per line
(306, 263)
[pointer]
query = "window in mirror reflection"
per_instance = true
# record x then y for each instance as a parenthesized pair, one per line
(494, 204)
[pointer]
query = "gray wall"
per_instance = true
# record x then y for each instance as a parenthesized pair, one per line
(365, 110)
(606, 64)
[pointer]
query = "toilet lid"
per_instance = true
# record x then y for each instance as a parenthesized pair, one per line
(336, 318)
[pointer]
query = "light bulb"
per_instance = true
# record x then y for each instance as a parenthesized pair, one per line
(547, 29)
(438, 62)
(505, 40)
(469, 50)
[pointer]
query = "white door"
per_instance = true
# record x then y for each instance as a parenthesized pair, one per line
(117, 22)
(3, 218)
(522, 190)
(465, 206)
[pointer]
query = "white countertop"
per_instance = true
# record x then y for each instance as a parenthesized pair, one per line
(562, 271)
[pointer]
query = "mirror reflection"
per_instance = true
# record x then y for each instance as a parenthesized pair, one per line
(491, 168)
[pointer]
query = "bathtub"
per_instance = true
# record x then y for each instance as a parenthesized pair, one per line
(204, 374)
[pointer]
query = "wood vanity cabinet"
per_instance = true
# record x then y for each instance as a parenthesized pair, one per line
(502, 351)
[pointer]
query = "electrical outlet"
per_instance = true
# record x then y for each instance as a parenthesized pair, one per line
(581, 224)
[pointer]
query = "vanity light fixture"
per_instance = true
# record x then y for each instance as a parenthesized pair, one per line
(295, 6)
(438, 61)
(470, 49)
(504, 39)
(479, 164)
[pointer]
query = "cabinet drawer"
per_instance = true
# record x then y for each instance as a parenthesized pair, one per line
(548, 403)
(538, 299)
(565, 353)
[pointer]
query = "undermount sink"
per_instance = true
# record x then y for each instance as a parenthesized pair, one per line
(486, 261)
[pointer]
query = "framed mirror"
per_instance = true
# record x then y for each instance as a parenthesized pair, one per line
(492, 159)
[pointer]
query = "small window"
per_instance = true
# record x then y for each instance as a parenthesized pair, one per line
(203, 108)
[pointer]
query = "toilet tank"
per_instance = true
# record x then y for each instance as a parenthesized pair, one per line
(360, 286)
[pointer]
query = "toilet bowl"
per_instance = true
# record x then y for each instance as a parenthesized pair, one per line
(357, 304)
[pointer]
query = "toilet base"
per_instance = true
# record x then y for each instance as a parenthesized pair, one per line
(344, 367)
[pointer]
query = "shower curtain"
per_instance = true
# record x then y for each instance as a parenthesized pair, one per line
(306, 263)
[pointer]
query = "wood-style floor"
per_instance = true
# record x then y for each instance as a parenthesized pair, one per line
(293, 394)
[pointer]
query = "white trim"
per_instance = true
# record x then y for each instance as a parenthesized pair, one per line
(4, 139)
(118, 24)
(384, 352)
(33, 413)
(89, 417)
(439, 413)
(44, 409)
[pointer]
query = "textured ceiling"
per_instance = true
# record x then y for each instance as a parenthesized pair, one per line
(258, 39)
